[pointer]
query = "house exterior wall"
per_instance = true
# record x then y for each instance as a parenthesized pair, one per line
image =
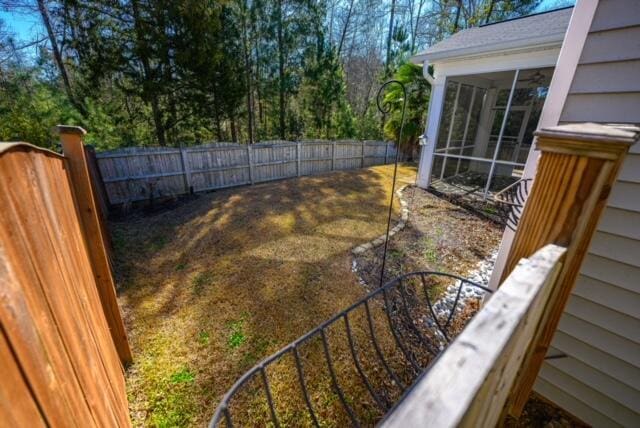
(599, 381)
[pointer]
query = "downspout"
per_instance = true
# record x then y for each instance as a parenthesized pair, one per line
(425, 72)
(426, 147)
(431, 81)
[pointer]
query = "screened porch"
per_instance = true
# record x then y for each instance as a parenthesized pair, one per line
(486, 130)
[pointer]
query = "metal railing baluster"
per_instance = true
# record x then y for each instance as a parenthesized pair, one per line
(356, 362)
(409, 356)
(391, 308)
(376, 346)
(334, 379)
(267, 389)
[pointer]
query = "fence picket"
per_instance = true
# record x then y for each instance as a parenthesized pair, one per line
(135, 174)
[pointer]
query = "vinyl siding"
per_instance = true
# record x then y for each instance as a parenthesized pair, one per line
(599, 380)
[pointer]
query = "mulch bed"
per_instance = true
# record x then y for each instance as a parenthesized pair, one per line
(439, 236)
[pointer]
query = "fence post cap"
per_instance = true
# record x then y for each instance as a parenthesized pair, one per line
(69, 129)
(608, 133)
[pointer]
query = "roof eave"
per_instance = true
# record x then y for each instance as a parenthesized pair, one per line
(535, 43)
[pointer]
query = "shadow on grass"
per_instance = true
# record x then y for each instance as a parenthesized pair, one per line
(218, 283)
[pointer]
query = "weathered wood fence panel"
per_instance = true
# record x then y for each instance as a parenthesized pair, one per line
(135, 174)
(59, 363)
(469, 383)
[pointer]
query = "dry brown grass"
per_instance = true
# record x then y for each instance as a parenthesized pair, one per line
(214, 285)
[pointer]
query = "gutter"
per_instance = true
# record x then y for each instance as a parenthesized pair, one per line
(425, 73)
(549, 40)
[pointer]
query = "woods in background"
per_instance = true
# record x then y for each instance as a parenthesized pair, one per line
(161, 72)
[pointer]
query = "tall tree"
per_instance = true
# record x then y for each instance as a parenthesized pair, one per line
(62, 68)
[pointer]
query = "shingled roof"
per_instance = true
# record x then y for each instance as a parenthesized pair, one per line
(539, 29)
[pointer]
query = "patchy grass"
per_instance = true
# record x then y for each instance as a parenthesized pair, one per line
(201, 280)
(182, 376)
(440, 236)
(237, 336)
(213, 286)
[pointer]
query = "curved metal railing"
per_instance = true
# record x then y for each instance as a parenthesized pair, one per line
(405, 329)
(510, 202)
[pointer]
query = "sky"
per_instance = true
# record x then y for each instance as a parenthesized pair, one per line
(28, 25)
(23, 25)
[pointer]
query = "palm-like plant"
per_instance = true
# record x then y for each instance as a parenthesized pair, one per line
(418, 91)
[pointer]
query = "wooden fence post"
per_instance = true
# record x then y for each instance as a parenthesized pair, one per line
(73, 150)
(102, 201)
(333, 156)
(184, 156)
(96, 181)
(386, 152)
(250, 159)
(577, 168)
(299, 171)
(362, 155)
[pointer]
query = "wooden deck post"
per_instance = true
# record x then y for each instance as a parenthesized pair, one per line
(577, 168)
(73, 150)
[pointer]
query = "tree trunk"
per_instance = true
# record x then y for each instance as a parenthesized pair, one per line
(414, 31)
(234, 130)
(281, 71)
(247, 72)
(149, 95)
(216, 115)
(389, 37)
(489, 11)
(344, 29)
(457, 19)
(57, 55)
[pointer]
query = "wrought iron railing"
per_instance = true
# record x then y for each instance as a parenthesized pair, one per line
(510, 202)
(405, 328)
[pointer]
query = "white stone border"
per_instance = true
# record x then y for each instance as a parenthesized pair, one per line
(404, 217)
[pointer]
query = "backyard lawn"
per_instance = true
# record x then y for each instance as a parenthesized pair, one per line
(213, 285)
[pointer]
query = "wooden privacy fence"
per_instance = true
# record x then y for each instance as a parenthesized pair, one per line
(62, 339)
(141, 173)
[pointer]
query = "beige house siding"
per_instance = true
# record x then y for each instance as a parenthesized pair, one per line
(599, 381)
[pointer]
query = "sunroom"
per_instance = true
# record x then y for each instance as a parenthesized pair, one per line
(489, 86)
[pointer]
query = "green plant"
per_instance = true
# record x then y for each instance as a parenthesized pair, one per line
(396, 254)
(430, 252)
(181, 266)
(183, 376)
(200, 280)
(203, 338)
(237, 336)
(488, 209)
(258, 350)
(156, 243)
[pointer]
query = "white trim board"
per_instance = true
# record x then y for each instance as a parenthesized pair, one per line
(535, 57)
(570, 52)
